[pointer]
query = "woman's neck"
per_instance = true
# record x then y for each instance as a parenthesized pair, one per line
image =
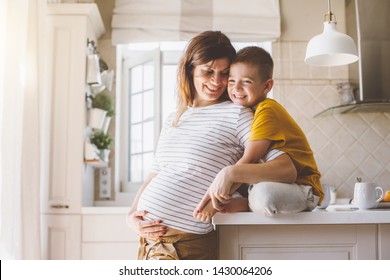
(204, 103)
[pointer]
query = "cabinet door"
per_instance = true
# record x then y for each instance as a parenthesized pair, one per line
(66, 40)
(384, 242)
(298, 242)
(107, 237)
(64, 113)
(61, 237)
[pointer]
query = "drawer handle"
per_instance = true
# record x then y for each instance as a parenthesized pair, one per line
(59, 206)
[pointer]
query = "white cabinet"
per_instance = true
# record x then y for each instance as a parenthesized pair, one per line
(107, 237)
(69, 26)
(300, 242)
(384, 242)
(337, 233)
(61, 235)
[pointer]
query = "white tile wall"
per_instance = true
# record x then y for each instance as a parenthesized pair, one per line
(345, 146)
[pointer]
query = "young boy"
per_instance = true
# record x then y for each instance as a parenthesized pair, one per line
(250, 80)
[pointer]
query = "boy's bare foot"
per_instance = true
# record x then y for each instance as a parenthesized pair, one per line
(206, 214)
(237, 204)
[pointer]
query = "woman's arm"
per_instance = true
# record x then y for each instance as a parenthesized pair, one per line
(151, 229)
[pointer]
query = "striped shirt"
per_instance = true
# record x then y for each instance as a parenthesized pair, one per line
(188, 158)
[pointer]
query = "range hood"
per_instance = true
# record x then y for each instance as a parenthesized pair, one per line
(368, 23)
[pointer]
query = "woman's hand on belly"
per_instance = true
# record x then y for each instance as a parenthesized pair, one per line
(147, 229)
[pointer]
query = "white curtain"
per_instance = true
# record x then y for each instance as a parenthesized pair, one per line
(19, 129)
(179, 20)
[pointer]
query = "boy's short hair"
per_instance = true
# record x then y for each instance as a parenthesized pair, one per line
(259, 58)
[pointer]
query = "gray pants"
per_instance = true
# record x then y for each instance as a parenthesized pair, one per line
(270, 198)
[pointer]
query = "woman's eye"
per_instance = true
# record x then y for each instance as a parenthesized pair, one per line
(208, 72)
(231, 81)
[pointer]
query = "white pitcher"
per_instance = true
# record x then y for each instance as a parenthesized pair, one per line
(367, 195)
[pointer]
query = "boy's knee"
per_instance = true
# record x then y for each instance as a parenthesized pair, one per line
(261, 200)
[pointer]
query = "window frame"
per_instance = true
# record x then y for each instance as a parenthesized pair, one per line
(130, 60)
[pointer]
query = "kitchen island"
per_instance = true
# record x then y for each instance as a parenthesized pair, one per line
(336, 233)
(340, 232)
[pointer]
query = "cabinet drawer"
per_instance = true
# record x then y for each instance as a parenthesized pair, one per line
(107, 228)
(110, 251)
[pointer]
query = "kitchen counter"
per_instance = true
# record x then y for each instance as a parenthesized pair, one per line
(95, 210)
(341, 232)
(334, 214)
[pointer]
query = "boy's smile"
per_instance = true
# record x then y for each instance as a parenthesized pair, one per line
(245, 86)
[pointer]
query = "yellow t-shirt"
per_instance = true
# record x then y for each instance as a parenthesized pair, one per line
(273, 122)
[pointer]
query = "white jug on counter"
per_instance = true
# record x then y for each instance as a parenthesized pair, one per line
(367, 195)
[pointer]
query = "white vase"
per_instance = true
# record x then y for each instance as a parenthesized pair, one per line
(107, 78)
(104, 154)
(96, 118)
(93, 69)
(90, 152)
(106, 124)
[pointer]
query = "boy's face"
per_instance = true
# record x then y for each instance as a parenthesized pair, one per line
(245, 86)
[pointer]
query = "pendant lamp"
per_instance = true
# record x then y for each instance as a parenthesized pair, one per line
(331, 48)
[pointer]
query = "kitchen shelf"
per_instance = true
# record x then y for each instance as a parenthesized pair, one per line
(96, 163)
(371, 107)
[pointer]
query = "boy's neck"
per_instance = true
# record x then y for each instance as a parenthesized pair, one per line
(254, 107)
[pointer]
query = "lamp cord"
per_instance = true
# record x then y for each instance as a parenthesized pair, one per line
(329, 16)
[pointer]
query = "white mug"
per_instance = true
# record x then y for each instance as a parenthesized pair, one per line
(367, 195)
(325, 202)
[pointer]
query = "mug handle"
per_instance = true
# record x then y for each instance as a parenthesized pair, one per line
(381, 195)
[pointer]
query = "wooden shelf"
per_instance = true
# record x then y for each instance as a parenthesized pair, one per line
(96, 163)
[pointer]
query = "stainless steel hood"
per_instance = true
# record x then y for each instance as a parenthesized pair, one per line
(368, 23)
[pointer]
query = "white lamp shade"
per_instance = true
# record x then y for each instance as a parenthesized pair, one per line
(331, 48)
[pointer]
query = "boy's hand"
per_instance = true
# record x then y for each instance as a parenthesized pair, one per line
(202, 204)
(218, 192)
(206, 214)
(220, 188)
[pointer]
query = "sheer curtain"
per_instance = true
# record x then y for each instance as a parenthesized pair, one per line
(19, 129)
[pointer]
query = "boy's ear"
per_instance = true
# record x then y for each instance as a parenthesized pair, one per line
(268, 85)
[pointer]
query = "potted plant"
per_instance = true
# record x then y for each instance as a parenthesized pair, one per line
(102, 141)
(101, 105)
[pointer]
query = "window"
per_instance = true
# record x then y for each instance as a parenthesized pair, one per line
(140, 115)
(148, 96)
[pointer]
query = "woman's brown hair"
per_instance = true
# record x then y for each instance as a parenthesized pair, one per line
(203, 48)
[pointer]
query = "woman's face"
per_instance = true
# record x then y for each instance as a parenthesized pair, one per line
(210, 81)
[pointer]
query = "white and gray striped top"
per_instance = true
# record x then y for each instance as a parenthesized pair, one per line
(188, 158)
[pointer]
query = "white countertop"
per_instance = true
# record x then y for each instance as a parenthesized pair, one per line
(105, 210)
(334, 214)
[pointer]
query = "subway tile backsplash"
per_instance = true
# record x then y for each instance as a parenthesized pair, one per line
(345, 146)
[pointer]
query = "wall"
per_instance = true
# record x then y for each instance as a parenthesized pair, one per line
(345, 146)
(108, 53)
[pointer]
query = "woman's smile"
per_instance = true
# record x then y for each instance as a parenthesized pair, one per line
(210, 81)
